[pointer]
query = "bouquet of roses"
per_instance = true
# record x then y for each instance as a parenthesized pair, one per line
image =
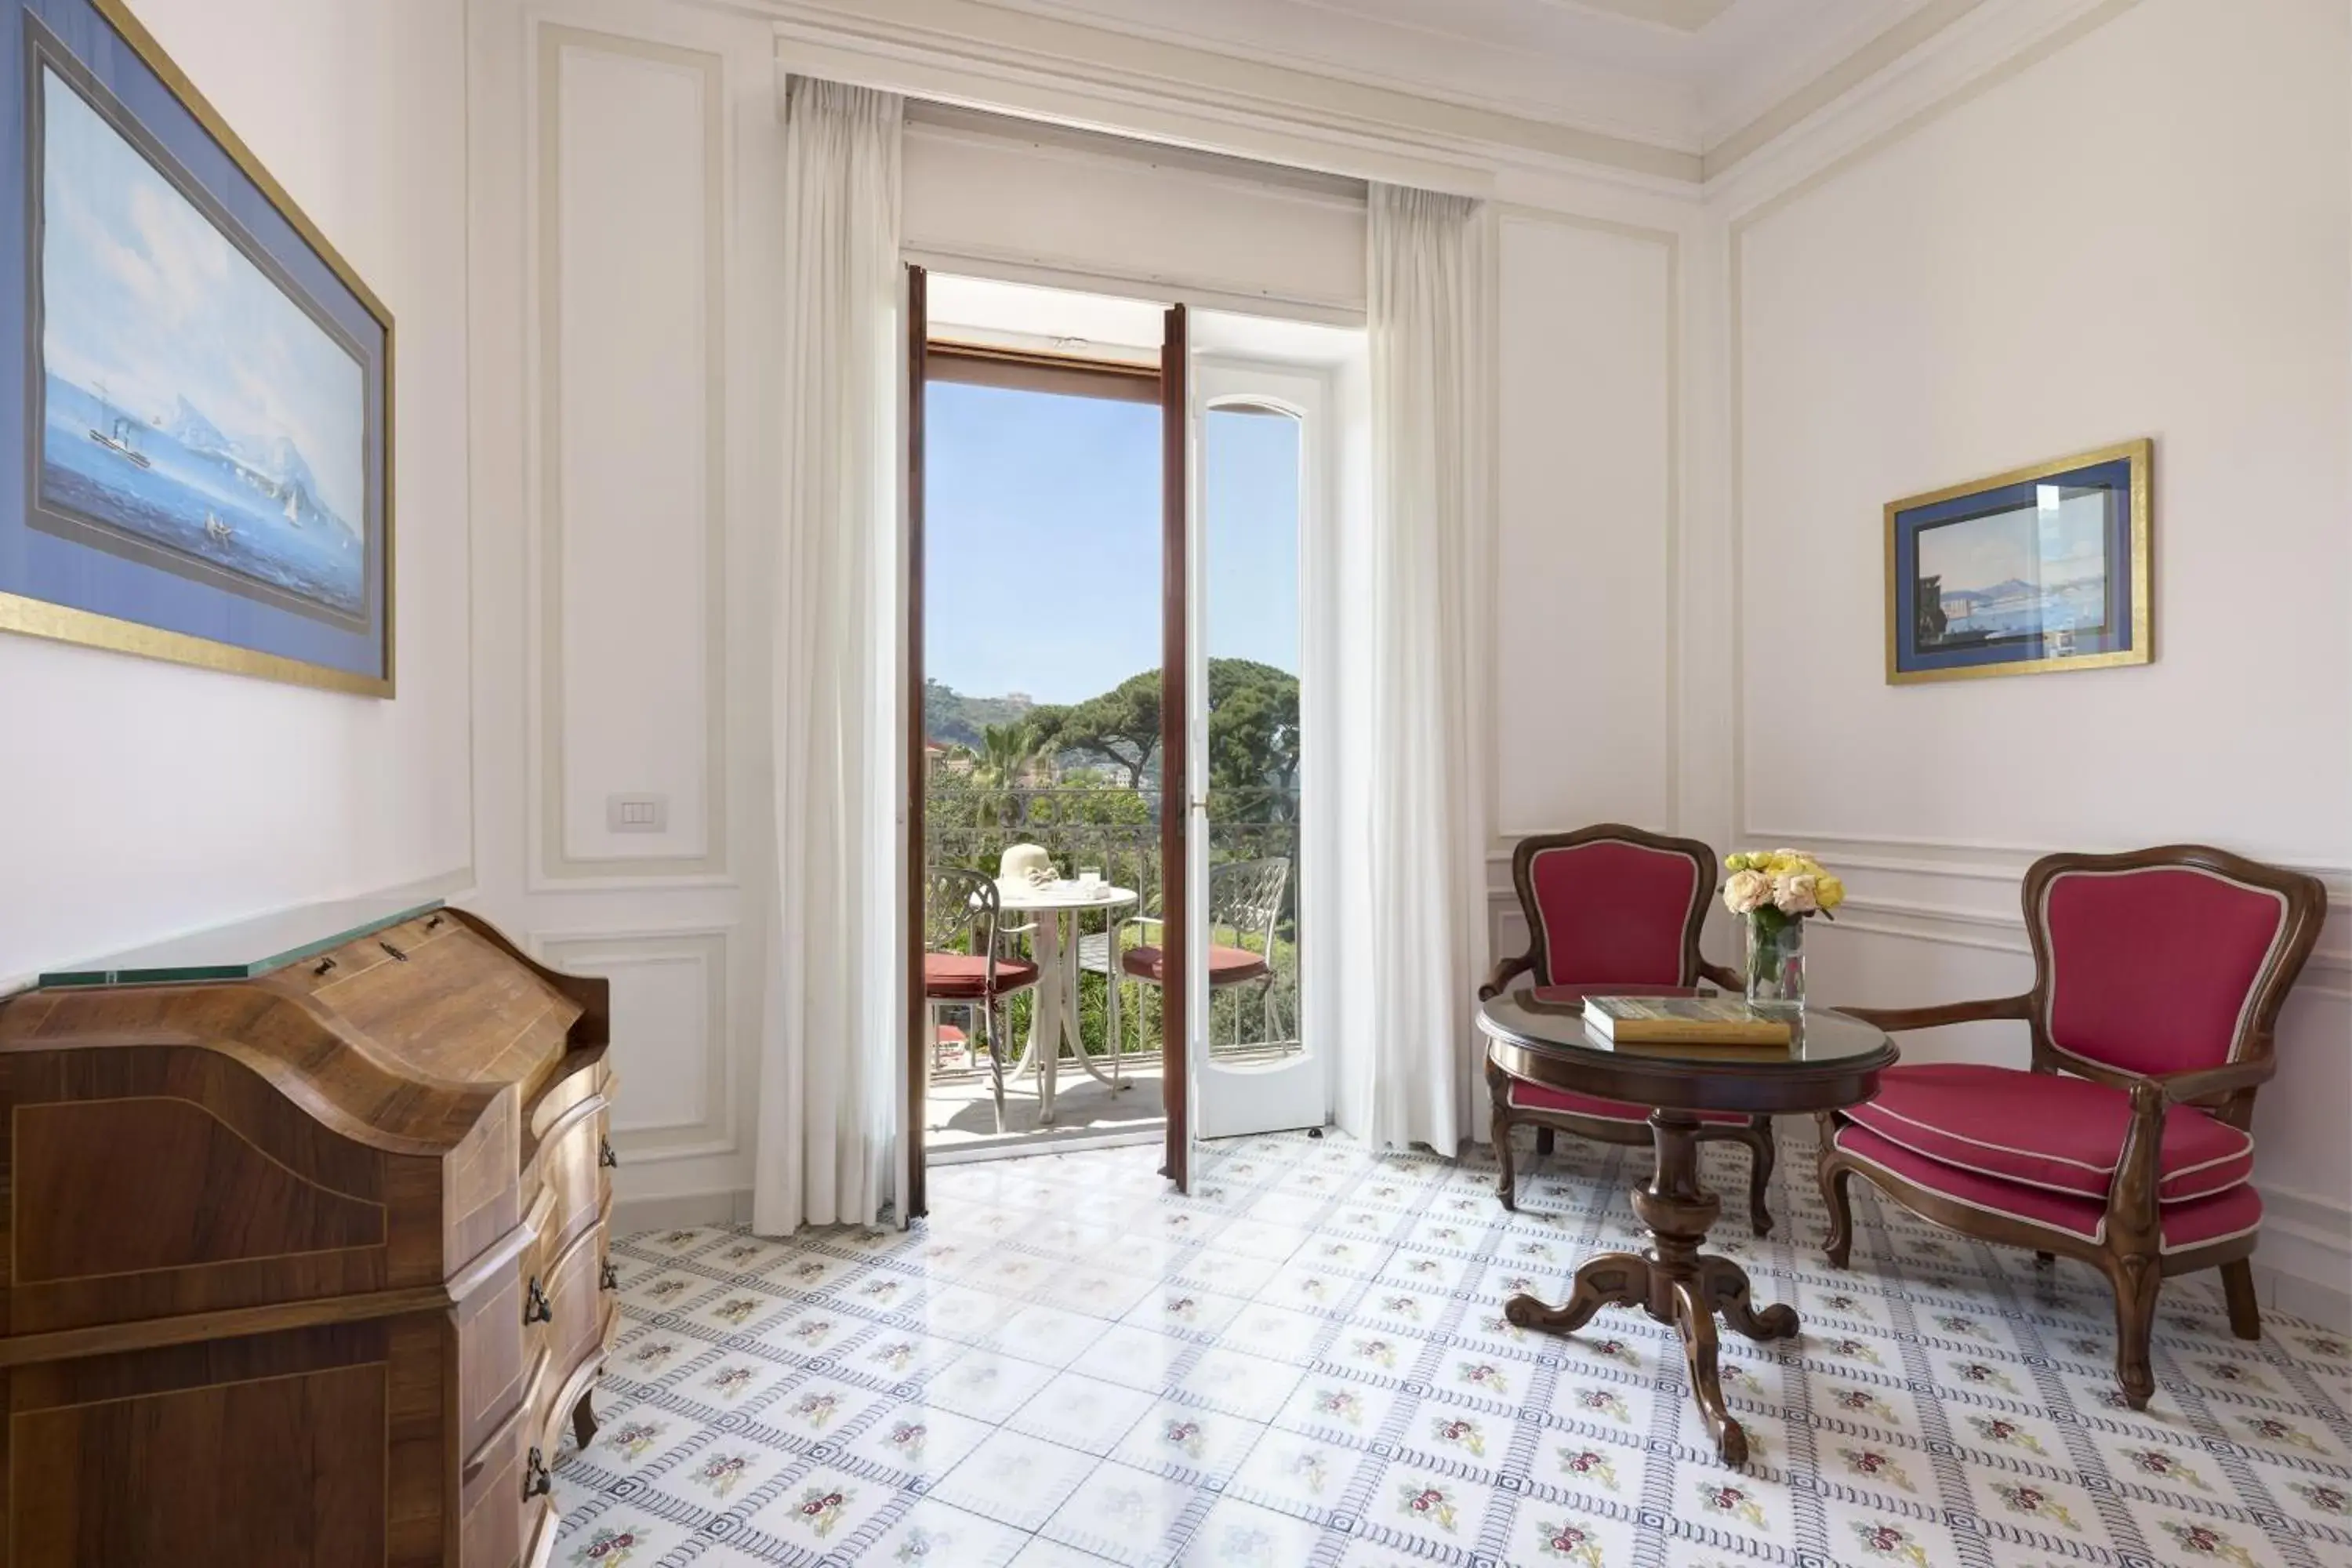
(1776, 891)
(1787, 882)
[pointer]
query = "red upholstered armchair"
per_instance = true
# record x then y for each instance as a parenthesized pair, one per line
(1612, 909)
(2157, 978)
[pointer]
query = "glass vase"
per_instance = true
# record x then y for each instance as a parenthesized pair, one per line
(1776, 965)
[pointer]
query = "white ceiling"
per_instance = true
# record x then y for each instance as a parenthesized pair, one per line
(1684, 73)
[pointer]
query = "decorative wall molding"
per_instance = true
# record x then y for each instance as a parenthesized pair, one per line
(703, 949)
(1502, 836)
(1979, 46)
(555, 868)
(954, 51)
(1168, 82)
(2308, 1270)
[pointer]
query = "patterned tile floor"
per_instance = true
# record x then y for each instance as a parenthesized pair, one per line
(1303, 1365)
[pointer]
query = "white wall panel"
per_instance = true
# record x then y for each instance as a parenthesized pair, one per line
(626, 189)
(670, 1035)
(633, 492)
(1583, 632)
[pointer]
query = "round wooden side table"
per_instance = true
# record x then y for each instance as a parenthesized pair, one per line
(1834, 1062)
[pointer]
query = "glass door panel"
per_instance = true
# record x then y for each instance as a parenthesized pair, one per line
(1256, 444)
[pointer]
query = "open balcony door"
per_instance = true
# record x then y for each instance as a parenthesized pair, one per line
(1251, 419)
(916, 1059)
(1178, 842)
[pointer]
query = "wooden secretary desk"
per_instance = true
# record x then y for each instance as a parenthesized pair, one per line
(304, 1262)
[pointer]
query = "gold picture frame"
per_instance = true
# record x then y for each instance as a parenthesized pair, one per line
(2124, 465)
(35, 616)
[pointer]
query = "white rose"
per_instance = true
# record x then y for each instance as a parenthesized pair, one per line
(1747, 893)
(1795, 894)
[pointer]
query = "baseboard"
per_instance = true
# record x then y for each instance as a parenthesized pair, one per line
(2304, 1264)
(631, 1215)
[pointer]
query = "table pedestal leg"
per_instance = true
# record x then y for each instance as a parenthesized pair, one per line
(1071, 1002)
(1045, 1012)
(1675, 1283)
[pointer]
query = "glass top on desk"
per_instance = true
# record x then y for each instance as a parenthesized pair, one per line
(1820, 1037)
(248, 948)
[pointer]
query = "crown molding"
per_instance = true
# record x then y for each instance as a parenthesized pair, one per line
(1096, 77)
(1646, 107)
(1724, 150)
(1979, 44)
(1049, 61)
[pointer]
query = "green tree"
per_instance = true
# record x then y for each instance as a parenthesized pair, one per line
(1252, 740)
(1121, 727)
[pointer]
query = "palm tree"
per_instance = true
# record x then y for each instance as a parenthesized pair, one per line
(1007, 755)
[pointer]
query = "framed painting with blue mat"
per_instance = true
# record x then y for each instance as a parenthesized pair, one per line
(195, 390)
(2039, 569)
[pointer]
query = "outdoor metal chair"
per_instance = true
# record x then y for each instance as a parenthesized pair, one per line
(1245, 900)
(962, 915)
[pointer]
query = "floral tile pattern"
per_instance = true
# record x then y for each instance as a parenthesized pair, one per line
(1304, 1364)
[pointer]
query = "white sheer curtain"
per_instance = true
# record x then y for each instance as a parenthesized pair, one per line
(1413, 734)
(827, 1071)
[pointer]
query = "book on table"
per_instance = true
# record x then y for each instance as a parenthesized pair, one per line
(1726, 1022)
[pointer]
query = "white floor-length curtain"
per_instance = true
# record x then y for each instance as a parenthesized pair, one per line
(827, 1071)
(1414, 734)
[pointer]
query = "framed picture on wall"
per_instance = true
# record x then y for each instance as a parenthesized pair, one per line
(195, 390)
(2039, 569)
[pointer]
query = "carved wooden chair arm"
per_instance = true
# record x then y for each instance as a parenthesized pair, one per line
(2133, 1220)
(1504, 973)
(2196, 1085)
(1895, 1019)
(1723, 974)
(2212, 1083)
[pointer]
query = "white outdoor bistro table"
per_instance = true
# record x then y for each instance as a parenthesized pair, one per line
(1055, 1016)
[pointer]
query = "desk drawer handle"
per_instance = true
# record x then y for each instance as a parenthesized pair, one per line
(434, 923)
(608, 1277)
(536, 1481)
(604, 1155)
(324, 966)
(397, 956)
(536, 1308)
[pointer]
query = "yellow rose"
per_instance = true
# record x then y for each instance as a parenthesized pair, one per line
(1828, 892)
(1735, 863)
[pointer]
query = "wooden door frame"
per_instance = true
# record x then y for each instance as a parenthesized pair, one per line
(1175, 786)
(1175, 720)
(916, 1198)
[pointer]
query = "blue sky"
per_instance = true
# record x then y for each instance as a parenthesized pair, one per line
(1043, 521)
(143, 295)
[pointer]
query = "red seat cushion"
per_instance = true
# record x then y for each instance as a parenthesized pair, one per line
(2200, 1221)
(1227, 965)
(961, 976)
(1525, 1096)
(2064, 1134)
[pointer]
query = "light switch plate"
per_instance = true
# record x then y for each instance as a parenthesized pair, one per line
(636, 812)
